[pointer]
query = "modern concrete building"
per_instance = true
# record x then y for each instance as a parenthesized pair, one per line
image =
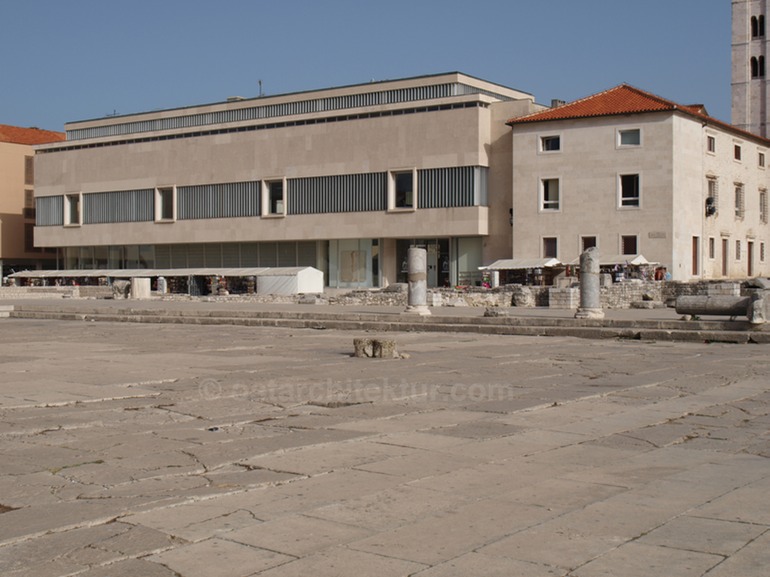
(17, 202)
(633, 173)
(342, 179)
(749, 76)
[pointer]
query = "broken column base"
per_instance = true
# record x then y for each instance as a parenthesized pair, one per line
(375, 348)
(583, 313)
(417, 310)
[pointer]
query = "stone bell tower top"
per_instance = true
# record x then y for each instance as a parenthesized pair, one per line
(750, 21)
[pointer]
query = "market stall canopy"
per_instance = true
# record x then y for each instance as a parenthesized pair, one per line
(270, 280)
(522, 263)
(619, 259)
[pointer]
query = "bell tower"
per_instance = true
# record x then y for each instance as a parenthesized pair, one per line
(750, 67)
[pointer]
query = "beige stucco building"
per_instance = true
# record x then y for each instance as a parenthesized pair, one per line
(633, 173)
(343, 179)
(17, 202)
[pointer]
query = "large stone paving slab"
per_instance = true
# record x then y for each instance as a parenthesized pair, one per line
(184, 451)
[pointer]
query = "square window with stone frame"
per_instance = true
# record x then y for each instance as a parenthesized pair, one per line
(587, 242)
(630, 137)
(629, 244)
(551, 143)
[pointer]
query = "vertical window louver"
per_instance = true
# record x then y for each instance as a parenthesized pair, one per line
(452, 187)
(49, 210)
(230, 200)
(118, 206)
(343, 193)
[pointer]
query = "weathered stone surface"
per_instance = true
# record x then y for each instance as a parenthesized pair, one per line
(121, 289)
(590, 292)
(495, 312)
(379, 348)
(417, 262)
(522, 296)
(713, 305)
(150, 450)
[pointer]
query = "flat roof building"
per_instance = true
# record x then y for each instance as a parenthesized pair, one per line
(342, 179)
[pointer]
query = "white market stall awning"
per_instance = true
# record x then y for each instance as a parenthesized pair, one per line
(270, 280)
(522, 263)
(619, 259)
(154, 272)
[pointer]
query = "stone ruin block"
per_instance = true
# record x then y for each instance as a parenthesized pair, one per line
(375, 348)
(121, 289)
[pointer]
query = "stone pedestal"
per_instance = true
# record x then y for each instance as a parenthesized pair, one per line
(417, 269)
(140, 288)
(590, 293)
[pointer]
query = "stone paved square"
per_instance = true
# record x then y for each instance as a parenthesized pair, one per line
(184, 450)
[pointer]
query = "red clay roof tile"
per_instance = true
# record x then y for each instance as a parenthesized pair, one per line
(624, 99)
(29, 136)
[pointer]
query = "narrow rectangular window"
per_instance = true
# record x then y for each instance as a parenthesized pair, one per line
(550, 143)
(761, 252)
(72, 209)
(404, 190)
(631, 137)
(165, 204)
(695, 256)
(712, 248)
(712, 199)
(29, 170)
(737, 250)
(29, 204)
(550, 194)
(763, 209)
(550, 247)
(737, 152)
(739, 201)
(402, 193)
(629, 244)
(629, 190)
(761, 159)
(274, 198)
(711, 144)
(725, 256)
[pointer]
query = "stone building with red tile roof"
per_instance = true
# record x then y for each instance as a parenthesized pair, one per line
(636, 174)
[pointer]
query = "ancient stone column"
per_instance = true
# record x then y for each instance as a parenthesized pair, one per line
(590, 294)
(417, 269)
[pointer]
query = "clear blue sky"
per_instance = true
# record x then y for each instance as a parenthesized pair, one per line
(66, 60)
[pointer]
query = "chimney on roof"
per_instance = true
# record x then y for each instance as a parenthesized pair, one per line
(555, 103)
